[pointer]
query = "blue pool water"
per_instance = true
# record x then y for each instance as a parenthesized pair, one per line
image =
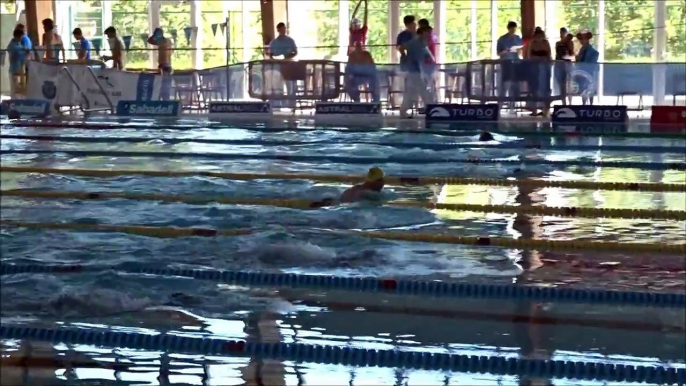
(297, 241)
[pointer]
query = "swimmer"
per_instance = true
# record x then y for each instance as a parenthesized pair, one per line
(374, 183)
(486, 136)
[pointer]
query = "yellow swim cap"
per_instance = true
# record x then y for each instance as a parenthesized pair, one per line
(374, 174)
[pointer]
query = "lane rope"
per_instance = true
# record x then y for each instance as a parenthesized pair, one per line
(350, 160)
(390, 180)
(307, 204)
(352, 356)
(410, 145)
(138, 230)
(435, 289)
(572, 245)
(456, 130)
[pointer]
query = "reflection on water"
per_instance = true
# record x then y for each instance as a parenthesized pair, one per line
(291, 241)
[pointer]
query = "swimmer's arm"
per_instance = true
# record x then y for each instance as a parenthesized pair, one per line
(322, 203)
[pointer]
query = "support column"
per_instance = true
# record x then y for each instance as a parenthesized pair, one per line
(153, 22)
(36, 11)
(273, 13)
(659, 50)
(196, 38)
(343, 25)
(440, 16)
(393, 29)
(600, 35)
(473, 51)
(106, 17)
(528, 10)
(494, 29)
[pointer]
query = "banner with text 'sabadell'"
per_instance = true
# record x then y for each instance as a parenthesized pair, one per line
(152, 109)
(590, 114)
(462, 113)
(22, 108)
(49, 83)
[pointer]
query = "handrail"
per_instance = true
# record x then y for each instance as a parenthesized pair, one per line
(102, 89)
(71, 77)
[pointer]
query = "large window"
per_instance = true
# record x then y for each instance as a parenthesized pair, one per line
(676, 30)
(130, 17)
(458, 40)
(629, 29)
(174, 19)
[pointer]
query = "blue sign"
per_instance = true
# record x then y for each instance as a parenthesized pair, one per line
(240, 108)
(589, 114)
(145, 86)
(148, 108)
(462, 113)
(586, 128)
(347, 108)
(26, 107)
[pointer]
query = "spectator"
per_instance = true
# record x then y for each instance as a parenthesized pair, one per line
(283, 45)
(417, 51)
(431, 66)
(403, 38)
(117, 48)
(358, 31)
(17, 59)
(508, 47)
(539, 54)
(587, 63)
(84, 52)
(361, 70)
(564, 53)
(52, 42)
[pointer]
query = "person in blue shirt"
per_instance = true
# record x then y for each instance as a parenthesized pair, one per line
(508, 48)
(17, 58)
(417, 51)
(84, 50)
(25, 40)
(283, 45)
(586, 63)
(405, 37)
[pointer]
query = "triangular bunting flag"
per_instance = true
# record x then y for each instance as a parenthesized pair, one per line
(97, 44)
(174, 34)
(223, 28)
(127, 42)
(188, 31)
(77, 46)
(144, 38)
(2, 58)
(214, 29)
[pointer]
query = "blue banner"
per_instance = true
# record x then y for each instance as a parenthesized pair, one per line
(343, 108)
(148, 108)
(127, 42)
(589, 114)
(240, 108)
(145, 86)
(25, 107)
(462, 113)
(589, 128)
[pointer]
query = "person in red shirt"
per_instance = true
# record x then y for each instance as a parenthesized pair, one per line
(358, 30)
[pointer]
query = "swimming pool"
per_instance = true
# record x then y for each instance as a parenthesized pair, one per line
(108, 294)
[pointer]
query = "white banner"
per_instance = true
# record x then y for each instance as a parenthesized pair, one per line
(46, 81)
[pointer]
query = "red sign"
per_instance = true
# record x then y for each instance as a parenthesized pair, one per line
(668, 119)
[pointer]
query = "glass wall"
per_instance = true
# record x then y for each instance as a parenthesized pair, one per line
(130, 17)
(676, 30)
(175, 17)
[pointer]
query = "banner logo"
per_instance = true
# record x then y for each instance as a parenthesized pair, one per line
(240, 108)
(590, 114)
(349, 108)
(462, 113)
(668, 119)
(26, 107)
(581, 83)
(148, 108)
(49, 89)
(144, 87)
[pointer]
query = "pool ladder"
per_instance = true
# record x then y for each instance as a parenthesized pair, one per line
(87, 109)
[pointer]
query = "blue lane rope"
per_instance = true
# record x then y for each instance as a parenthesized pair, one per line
(404, 145)
(352, 160)
(456, 130)
(373, 284)
(350, 356)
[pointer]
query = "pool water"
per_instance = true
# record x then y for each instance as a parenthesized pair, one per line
(302, 241)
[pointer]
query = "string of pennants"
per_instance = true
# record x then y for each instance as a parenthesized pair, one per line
(215, 26)
(128, 39)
